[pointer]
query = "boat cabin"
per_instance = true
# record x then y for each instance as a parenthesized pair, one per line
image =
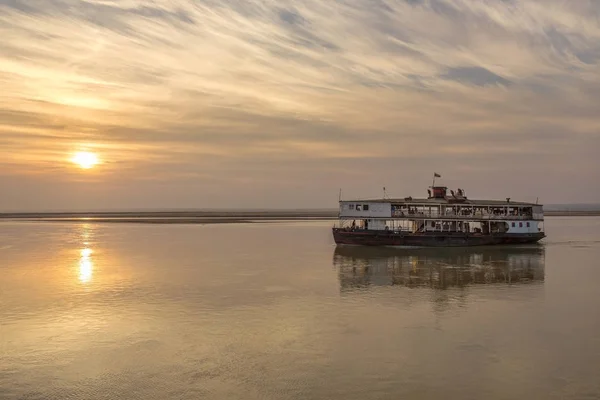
(442, 212)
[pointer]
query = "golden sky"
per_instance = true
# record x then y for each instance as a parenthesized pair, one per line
(279, 103)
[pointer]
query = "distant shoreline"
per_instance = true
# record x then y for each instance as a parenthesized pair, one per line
(174, 217)
(208, 217)
(572, 213)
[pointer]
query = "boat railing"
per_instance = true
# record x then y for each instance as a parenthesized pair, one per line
(464, 215)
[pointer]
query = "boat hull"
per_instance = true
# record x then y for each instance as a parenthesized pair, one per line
(430, 239)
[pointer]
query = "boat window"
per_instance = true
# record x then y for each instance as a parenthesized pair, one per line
(366, 207)
(528, 224)
(351, 206)
(520, 224)
(358, 207)
(513, 224)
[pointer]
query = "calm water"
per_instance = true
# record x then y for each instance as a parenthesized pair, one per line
(275, 311)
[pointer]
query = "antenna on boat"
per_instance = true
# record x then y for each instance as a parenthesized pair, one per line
(340, 195)
(384, 193)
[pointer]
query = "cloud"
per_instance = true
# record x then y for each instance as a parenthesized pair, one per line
(475, 75)
(164, 88)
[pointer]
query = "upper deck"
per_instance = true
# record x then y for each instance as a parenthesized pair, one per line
(441, 206)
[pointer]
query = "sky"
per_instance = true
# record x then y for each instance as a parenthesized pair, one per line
(280, 103)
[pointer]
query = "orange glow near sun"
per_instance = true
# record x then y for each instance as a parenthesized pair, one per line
(85, 159)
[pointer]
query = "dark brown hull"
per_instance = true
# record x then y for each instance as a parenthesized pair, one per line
(431, 239)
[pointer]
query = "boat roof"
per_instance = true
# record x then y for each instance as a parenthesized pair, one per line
(451, 200)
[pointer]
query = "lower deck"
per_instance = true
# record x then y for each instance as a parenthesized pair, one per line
(426, 226)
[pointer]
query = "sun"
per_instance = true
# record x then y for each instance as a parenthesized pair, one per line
(85, 159)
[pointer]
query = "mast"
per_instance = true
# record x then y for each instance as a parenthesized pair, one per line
(435, 175)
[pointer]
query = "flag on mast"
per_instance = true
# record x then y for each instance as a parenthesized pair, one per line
(436, 175)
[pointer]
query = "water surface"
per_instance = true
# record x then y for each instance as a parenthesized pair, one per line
(275, 310)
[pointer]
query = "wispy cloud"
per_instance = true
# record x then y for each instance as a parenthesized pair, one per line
(268, 90)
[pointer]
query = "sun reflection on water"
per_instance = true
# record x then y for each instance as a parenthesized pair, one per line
(86, 266)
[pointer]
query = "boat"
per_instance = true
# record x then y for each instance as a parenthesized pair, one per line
(443, 219)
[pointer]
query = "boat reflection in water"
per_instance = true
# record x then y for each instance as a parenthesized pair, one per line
(438, 268)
